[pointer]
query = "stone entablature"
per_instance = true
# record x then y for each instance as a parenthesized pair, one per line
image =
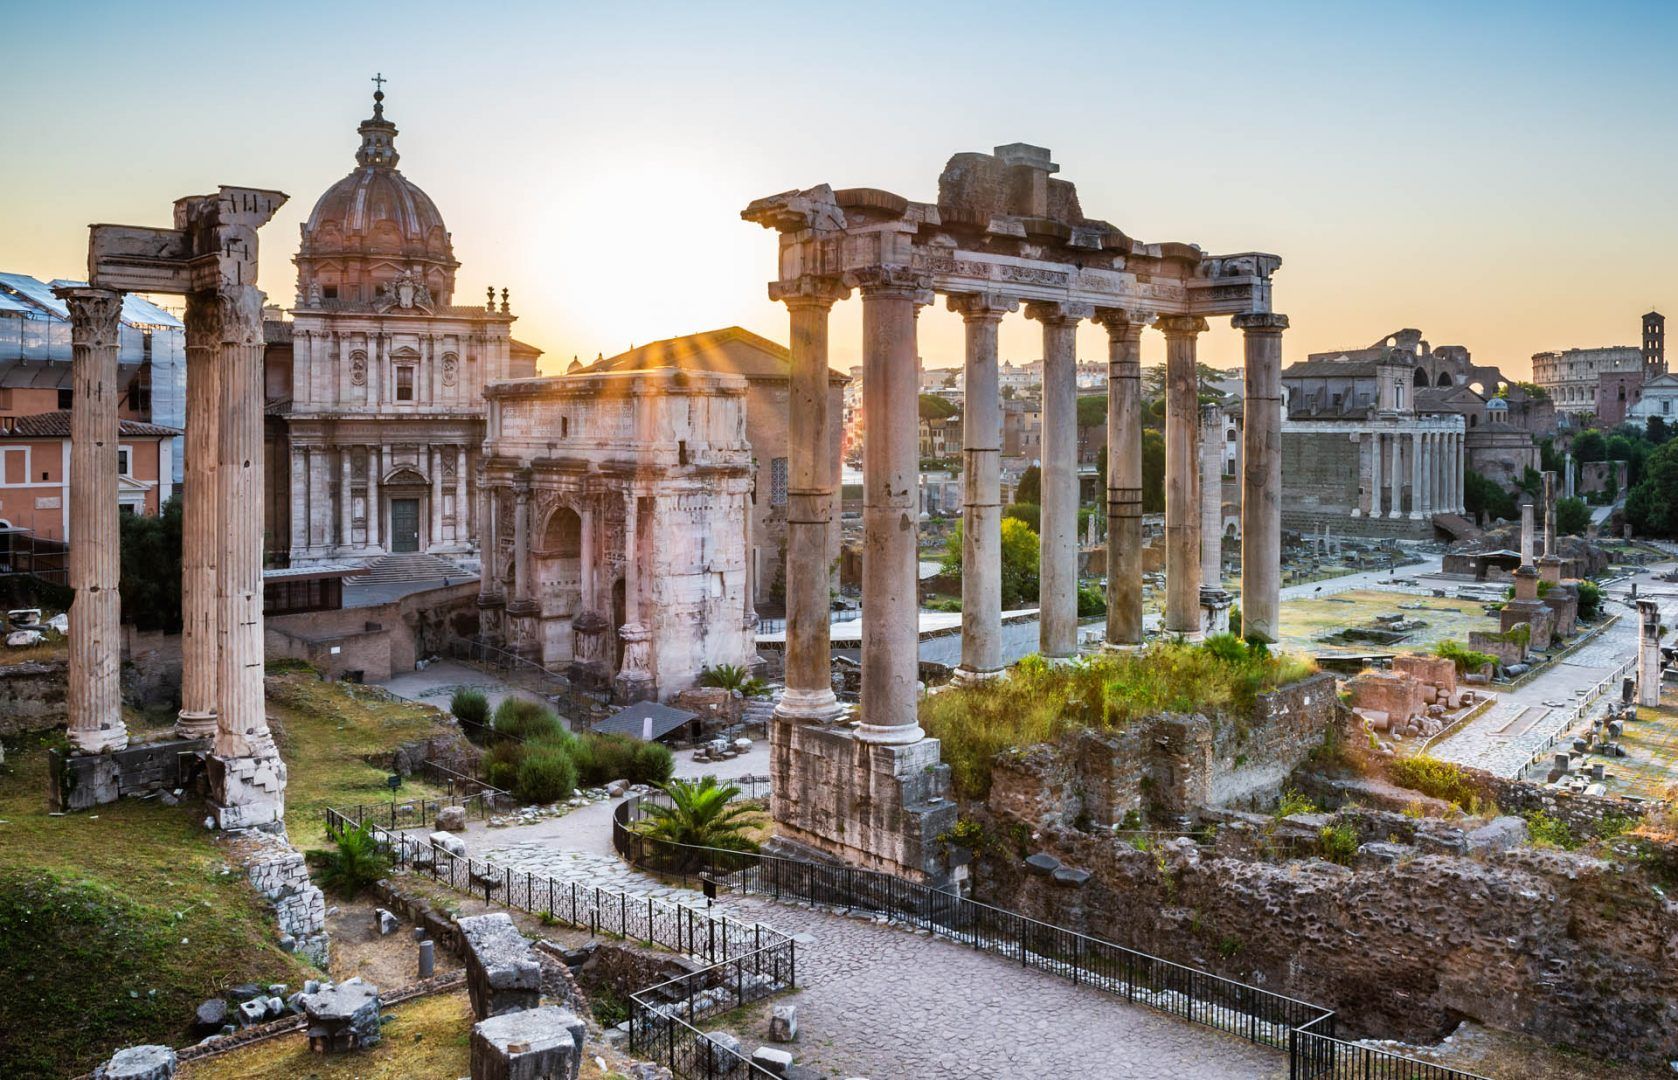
(1388, 466)
(616, 508)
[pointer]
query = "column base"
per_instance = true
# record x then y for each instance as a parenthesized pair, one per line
(1122, 646)
(195, 725)
(813, 706)
(1214, 610)
(1058, 661)
(1395, 515)
(102, 740)
(967, 676)
(1417, 515)
(899, 735)
(247, 792)
(633, 686)
(1357, 511)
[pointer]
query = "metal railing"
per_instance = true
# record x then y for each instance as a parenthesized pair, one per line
(747, 962)
(462, 786)
(415, 813)
(1305, 1030)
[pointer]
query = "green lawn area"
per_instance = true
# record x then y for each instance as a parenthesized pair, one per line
(114, 924)
(1650, 768)
(326, 732)
(1304, 622)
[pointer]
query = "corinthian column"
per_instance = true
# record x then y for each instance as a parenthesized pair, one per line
(94, 702)
(891, 459)
(200, 513)
(981, 515)
(1261, 479)
(1416, 476)
(346, 497)
(811, 473)
(374, 453)
(436, 537)
(1057, 575)
(1182, 476)
(1124, 475)
(247, 777)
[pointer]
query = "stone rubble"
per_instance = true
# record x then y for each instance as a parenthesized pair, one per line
(344, 1017)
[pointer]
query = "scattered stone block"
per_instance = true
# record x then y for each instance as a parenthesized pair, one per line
(450, 843)
(344, 1017)
(1499, 834)
(1042, 863)
(139, 1063)
(384, 922)
(254, 1011)
(774, 1062)
(209, 1017)
(723, 1053)
(451, 819)
(1070, 877)
(502, 972)
(783, 1023)
(530, 1044)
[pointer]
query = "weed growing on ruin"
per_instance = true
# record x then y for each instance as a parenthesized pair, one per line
(1038, 703)
(1229, 946)
(1612, 826)
(1440, 779)
(352, 864)
(1465, 659)
(1547, 831)
(1338, 844)
(1293, 802)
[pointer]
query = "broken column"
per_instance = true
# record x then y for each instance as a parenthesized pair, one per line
(1549, 565)
(1649, 653)
(502, 972)
(1526, 607)
(247, 777)
(1261, 478)
(981, 515)
(1182, 476)
(1124, 475)
(94, 699)
(1057, 574)
(533, 1044)
(811, 474)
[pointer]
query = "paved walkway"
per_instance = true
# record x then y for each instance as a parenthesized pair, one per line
(1527, 720)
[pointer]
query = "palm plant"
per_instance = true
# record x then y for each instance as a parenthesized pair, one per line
(702, 813)
(725, 677)
(354, 863)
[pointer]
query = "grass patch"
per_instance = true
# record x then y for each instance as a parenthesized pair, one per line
(1037, 703)
(428, 1036)
(120, 919)
(1440, 779)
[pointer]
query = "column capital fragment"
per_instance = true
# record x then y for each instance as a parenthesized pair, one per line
(892, 280)
(1181, 325)
(1120, 323)
(980, 306)
(811, 290)
(95, 314)
(1059, 311)
(1259, 322)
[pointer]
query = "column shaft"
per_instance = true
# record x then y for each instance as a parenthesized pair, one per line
(891, 459)
(461, 534)
(346, 497)
(1261, 479)
(436, 536)
(1124, 480)
(981, 516)
(1182, 477)
(199, 514)
(811, 475)
(1395, 472)
(374, 512)
(521, 546)
(94, 700)
(1057, 575)
(1375, 441)
(1211, 496)
(1416, 475)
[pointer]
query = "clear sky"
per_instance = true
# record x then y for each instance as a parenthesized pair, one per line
(1500, 175)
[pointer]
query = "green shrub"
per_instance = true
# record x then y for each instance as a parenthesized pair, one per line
(1338, 843)
(1293, 802)
(1091, 601)
(501, 764)
(352, 864)
(1440, 779)
(724, 676)
(1590, 599)
(1464, 658)
(654, 764)
(471, 708)
(517, 718)
(546, 774)
(1546, 831)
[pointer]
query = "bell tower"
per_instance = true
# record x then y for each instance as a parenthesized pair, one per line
(1654, 345)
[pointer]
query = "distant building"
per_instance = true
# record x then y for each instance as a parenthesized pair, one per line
(35, 471)
(1659, 399)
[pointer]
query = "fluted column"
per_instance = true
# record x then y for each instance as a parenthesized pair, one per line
(436, 536)
(1057, 575)
(1182, 477)
(891, 459)
(94, 702)
(346, 497)
(199, 514)
(522, 585)
(247, 777)
(1375, 440)
(1211, 496)
(460, 531)
(981, 516)
(1261, 476)
(812, 473)
(1415, 476)
(374, 467)
(299, 481)
(1395, 473)
(1124, 475)
(1460, 464)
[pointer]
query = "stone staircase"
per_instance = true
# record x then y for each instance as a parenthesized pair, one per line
(760, 710)
(1457, 526)
(408, 567)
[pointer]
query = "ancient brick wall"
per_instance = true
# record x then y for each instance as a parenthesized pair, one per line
(32, 696)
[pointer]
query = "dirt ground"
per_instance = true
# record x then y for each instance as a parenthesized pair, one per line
(389, 961)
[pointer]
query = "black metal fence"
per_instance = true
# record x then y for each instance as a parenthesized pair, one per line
(1305, 1030)
(747, 961)
(414, 813)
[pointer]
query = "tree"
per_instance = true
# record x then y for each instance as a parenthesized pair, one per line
(1030, 513)
(1656, 431)
(702, 814)
(1020, 553)
(1573, 517)
(1092, 410)
(1483, 498)
(1652, 505)
(934, 407)
(1589, 445)
(1030, 487)
(1534, 391)
(1548, 459)
(1153, 472)
(150, 582)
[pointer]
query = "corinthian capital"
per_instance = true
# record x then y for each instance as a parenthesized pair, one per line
(892, 280)
(1181, 325)
(1058, 311)
(1123, 322)
(981, 305)
(1260, 322)
(239, 314)
(810, 290)
(95, 314)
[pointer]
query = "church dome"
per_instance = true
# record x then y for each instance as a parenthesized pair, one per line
(372, 228)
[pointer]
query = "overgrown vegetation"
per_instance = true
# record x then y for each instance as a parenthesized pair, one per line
(1547, 831)
(1338, 843)
(1020, 548)
(151, 568)
(471, 708)
(539, 761)
(1465, 659)
(353, 862)
(1441, 779)
(1590, 598)
(1292, 802)
(1039, 703)
(733, 677)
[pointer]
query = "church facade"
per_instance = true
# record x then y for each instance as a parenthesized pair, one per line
(375, 382)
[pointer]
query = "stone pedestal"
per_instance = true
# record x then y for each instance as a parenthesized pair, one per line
(535, 1044)
(248, 791)
(343, 1018)
(1214, 610)
(502, 972)
(1549, 569)
(1649, 653)
(634, 682)
(139, 1063)
(879, 806)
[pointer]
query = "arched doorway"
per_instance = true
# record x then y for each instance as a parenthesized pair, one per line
(558, 569)
(404, 492)
(618, 606)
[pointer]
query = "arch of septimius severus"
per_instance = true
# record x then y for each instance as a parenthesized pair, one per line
(210, 257)
(1004, 234)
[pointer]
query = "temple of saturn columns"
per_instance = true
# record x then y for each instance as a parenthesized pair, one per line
(1004, 235)
(210, 257)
